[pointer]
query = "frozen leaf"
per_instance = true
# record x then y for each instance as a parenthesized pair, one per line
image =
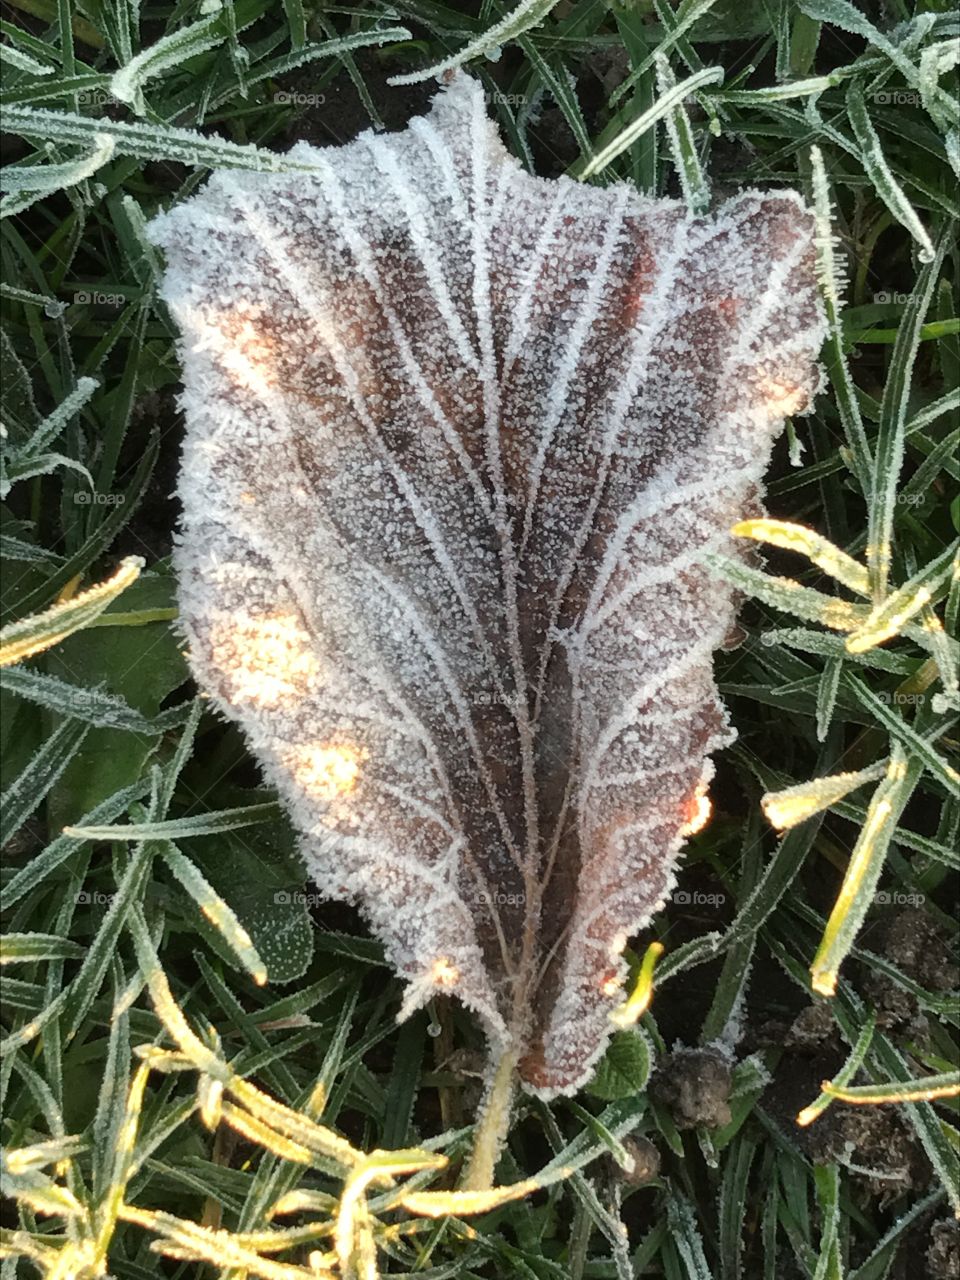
(458, 441)
(624, 1069)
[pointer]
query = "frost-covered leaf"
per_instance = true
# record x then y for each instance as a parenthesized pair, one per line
(624, 1069)
(458, 441)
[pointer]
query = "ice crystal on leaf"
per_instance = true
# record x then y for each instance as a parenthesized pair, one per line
(458, 441)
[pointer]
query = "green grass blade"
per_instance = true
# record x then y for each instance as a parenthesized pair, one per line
(27, 791)
(182, 828)
(667, 102)
(864, 870)
(888, 456)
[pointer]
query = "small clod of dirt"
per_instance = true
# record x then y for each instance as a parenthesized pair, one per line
(646, 1162)
(943, 1256)
(880, 1151)
(912, 941)
(811, 1029)
(695, 1084)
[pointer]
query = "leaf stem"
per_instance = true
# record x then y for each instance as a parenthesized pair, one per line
(491, 1132)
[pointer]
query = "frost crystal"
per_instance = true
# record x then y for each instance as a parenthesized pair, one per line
(458, 440)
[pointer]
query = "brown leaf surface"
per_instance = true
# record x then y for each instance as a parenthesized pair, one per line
(458, 440)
